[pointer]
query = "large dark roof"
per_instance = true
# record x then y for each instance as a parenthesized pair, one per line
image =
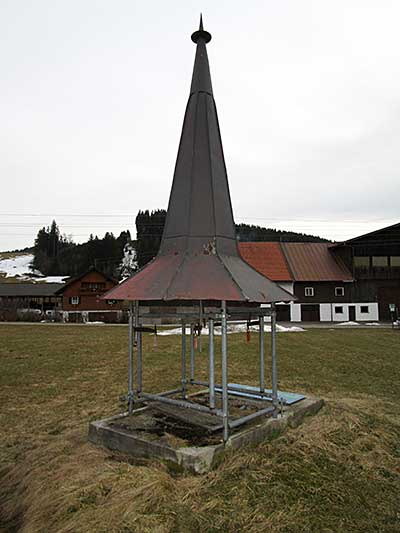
(389, 234)
(312, 261)
(21, 290)
(199, 257)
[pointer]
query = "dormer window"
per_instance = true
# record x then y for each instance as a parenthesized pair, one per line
(309, 291)
(339, 291)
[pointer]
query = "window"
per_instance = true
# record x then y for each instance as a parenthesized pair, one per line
(93, 286)
(339, 291)
(362, 262)
(364, 309)
(309, 291)
(379, 261)
(111, 302)
(74, 300)
(338, 309)
(395, 261)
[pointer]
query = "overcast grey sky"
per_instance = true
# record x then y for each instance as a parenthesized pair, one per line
(93, 93)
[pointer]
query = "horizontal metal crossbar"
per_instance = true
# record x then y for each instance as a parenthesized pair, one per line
(145, 329)
(181, 403)
(244, 419)
(242, 313)
(232, 389)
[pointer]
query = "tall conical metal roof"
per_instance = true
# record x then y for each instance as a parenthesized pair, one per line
(199, 257)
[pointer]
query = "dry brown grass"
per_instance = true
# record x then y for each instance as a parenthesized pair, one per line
(338, 472)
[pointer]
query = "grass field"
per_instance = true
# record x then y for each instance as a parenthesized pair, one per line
(338, 472)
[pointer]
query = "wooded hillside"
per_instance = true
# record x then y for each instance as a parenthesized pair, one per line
(56, 255)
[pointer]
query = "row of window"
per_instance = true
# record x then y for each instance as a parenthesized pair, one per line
(93, 286)
(377, 261)
(363, 309)
(75, 300)
(309, 291)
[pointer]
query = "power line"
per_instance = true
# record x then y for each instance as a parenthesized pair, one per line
(133, 216)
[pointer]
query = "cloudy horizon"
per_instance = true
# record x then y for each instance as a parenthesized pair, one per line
(93, 96)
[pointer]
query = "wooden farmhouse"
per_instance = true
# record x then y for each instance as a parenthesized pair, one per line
(82, 302)
(355, 280)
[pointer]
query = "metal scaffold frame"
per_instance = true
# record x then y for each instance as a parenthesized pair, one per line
(212, 317)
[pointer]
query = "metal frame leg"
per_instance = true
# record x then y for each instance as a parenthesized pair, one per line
(225, 410)
(262, 354)
(139, 376)
(136, 322)
(183, 361)
(275, 401)
(192, 363)
(211, 363)
(130, 359)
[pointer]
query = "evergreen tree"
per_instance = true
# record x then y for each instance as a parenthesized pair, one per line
(149, 230)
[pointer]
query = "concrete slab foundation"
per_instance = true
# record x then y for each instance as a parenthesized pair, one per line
(141, 435)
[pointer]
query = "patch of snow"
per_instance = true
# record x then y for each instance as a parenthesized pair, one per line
(16, 266)
(53, 279)
(348, 324)
(238, 327)
(371, 324)
(94, 323)
(20, 267)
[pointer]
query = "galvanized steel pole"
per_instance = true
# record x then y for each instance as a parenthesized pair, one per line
(139, 352)
(191, 352)
(130, 359)
(211, 363)
(262, 354)
(273, 355)
(225, 412)
(183, 371)
(136, 318)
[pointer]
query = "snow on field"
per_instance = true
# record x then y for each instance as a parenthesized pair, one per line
(233, 328)
(51, 279)
(348, 324)
(16, 266)
(19, 267)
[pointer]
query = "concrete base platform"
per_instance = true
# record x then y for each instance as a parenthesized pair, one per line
(143, 438)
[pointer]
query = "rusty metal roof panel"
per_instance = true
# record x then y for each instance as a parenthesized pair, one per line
(203, 277)
(267, 258)
(150, 283)
(311, 261)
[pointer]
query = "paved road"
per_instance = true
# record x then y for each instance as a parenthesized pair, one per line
(304, 325)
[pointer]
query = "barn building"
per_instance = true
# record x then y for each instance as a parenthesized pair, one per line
(355, 280)
(374, 262)
(29, 298)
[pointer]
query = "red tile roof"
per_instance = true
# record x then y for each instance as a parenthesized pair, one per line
(267, 258)
(311, 261)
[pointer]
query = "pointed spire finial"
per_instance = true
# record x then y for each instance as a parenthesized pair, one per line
(201, 33)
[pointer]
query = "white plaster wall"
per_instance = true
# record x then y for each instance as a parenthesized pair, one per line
(325, 312)
(295, 312)
(372, 315)
(340, 317)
